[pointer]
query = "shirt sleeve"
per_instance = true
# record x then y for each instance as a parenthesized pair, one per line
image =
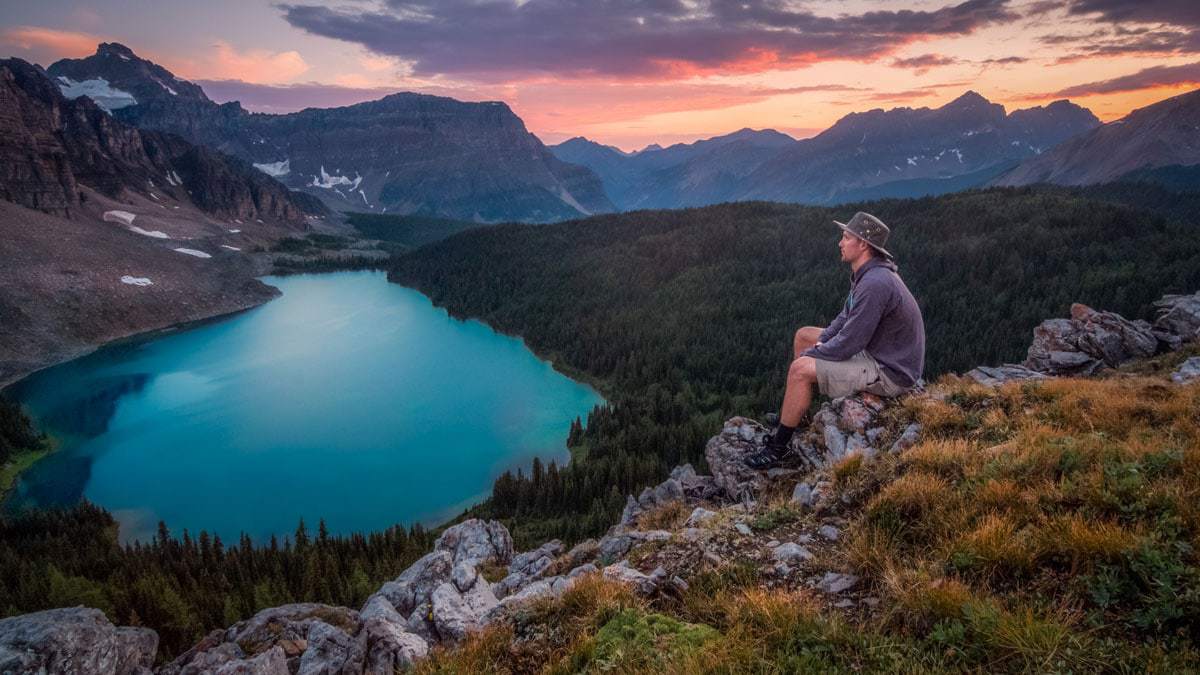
(860, 323)
(834, 326)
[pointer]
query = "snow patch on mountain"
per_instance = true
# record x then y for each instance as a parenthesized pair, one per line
(192, 252)
(331, 182)
(136, 281)
(123, 217)
(99, 90)
(149, 233)
(275, 169)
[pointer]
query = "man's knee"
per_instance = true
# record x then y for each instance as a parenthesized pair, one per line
(807, 337)
(803, 368)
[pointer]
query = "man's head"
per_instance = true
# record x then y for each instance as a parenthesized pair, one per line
(863, 237)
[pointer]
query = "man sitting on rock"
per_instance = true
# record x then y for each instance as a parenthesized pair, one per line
(876, 344)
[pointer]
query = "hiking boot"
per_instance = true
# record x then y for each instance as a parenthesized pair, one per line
(769, 455)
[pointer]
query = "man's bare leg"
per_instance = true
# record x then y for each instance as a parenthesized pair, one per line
(805, 338)
(801, 376)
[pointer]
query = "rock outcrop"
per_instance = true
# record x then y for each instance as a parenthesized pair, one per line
(74, 640)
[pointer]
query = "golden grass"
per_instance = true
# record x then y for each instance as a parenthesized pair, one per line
(669, 516)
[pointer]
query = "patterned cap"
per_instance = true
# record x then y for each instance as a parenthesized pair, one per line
(868, 228)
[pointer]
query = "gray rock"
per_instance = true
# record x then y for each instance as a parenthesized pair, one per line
(802, 494)
(463, 576)
(289, 625)
(792, 553)
(829, 532)
(415, 584)
(670, 490)
(420, 622)
(205, 657)
(743, 529)
(456, 614)
(623, 573)
(332, 651)
(835, 582)
(908, 438)
(73, 640)
(271, 662)
(378, 607)
(587, 568)
(631, 511)
(994, 376)
(1088, 341)
(1189, 371)
(684, 472)
(1179, 317)
(390, 648)
(724, 454)
(477, 541)
(699, 517)
(614, 546)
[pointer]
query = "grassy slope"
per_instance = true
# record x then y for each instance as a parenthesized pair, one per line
(1036, 528)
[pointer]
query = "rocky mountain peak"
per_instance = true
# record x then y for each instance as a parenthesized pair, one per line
(116, 70)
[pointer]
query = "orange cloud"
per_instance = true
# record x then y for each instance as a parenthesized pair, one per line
(57, 43)
(226, 62)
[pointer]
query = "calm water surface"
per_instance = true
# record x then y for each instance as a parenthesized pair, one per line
(348, 399)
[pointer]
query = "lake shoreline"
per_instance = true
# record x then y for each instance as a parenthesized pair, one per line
(519, 411)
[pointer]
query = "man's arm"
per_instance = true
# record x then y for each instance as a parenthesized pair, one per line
(834, 326)
(855, 332)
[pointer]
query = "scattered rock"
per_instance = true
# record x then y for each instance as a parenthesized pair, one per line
(743, 528)
(829, 532)
(529, 567)
(390, 648)
(835, 582)
(792, 553)
(908, 438)
(623, 573)
(1188, 372)
(994, 376)
(699, 517)
(802, 494)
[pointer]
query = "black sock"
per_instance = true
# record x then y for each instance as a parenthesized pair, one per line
(783, 434)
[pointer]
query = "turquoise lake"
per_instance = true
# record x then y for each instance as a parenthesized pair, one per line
(348, 398)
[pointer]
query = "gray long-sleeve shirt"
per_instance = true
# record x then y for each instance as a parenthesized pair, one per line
(882, 317)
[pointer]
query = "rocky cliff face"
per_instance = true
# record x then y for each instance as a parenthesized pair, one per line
(787, 523)
(51, 145)
(1159, 135)
(405, 153)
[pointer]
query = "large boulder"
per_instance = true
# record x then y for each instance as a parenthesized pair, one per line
(456, 614)
(333, 651)
(1087, 342)
(725, 453)
(415, 584)
(1189, 371)
(73, 640)
(1178, 318)
(994, 376)
(390, 647)
(477, 542)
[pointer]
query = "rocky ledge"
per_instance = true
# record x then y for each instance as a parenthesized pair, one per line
(685, 524)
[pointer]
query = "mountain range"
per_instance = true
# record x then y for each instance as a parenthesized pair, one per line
(1138, 146)
(405, 153)
(903, 152)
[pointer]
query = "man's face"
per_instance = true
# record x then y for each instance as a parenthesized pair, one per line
(851, 247)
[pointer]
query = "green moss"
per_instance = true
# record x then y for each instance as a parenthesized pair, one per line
(636, 641)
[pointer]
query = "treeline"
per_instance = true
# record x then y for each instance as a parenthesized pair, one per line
(686, 317)
(409, 231)
(184, 586)
(16, 432)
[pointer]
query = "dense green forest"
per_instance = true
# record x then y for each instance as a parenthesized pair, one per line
(185, 585)
(685, 317)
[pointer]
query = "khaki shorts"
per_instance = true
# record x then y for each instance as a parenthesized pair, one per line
(858, 373)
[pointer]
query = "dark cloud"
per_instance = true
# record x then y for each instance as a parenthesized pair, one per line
(1174, 12)
(632, 38)
(1004, 61)
(924, 62)
(1156, 76)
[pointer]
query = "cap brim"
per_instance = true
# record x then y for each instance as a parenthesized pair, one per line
(846, 228)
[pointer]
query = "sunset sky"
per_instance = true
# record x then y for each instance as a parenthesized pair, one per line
(634, 72)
